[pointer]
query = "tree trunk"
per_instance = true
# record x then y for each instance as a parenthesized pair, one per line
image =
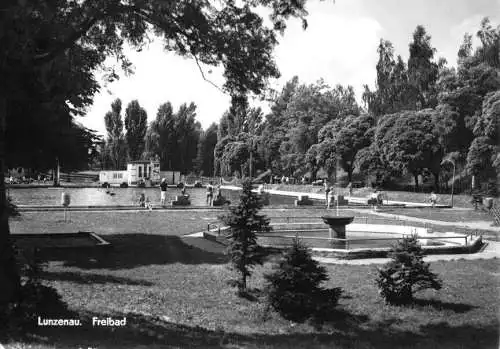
(436, 182)
(10, 281)
(313, 175)
(244, 282)
(415, 176)
(350, 169)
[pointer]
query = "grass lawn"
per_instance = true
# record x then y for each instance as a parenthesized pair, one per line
(173, 291)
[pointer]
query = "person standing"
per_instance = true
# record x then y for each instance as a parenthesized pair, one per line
(433, 199)
(374, 199)
(210, 194)
(349, 187)
(331, 198)
(327, 192)
(163, 191)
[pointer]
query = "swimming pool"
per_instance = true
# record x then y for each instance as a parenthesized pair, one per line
(124, 196)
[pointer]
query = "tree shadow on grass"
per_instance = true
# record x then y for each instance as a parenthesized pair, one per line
(440, 305)
(154, 332)
(134, 250)
(90, 278)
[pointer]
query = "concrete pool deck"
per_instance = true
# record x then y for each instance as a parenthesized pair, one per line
(352, 199)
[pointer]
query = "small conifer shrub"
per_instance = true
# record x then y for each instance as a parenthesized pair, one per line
(406, 273)
(294, 288)
(244, 221)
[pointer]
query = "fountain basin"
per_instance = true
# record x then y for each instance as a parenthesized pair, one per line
(337, 226)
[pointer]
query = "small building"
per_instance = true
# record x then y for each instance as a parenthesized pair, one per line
(136, 171)
(113, 177)
(143, 170)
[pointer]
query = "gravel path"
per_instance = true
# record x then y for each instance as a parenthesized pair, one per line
(479, 225)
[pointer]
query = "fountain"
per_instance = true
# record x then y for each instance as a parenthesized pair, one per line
(337, 226)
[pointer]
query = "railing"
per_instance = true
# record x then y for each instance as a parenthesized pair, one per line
(348, 241)
(495, 212)
(357, 219)
(363, 219)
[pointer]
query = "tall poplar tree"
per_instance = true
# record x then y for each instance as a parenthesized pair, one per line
(115, 144)
(136, 123)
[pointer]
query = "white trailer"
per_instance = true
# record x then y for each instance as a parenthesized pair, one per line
(113, 177)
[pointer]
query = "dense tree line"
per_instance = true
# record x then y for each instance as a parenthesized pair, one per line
(176, 139)
(421, 113)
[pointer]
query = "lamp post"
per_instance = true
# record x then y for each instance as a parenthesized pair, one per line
(251, 159)
(453, 180)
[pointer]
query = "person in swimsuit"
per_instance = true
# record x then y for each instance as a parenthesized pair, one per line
(210, 194)
(163, 191)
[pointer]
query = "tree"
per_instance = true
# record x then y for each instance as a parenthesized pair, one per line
(310, 108)
(463, 90)
(343, 140)
(116, 145)
(294, 288)
(274, 127)
(35, 35)
(406, 273)
(485, 149)
(392, 89)
(241, 124)
(136, 123)
(186, 134)
(409, 143)
(206, 147)
(244, 221)
(160, 137)
(422, 72)
(370, 161)
(312, 160)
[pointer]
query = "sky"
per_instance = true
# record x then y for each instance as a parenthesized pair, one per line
(339, 46)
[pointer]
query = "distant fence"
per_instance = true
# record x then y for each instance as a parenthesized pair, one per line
(78, 177)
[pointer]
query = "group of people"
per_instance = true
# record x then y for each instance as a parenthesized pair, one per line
(330, 193)
(144, 201)
(282, 180)
(210, 193)
(376, 198)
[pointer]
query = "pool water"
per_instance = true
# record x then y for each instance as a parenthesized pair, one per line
(356, 240)
(122, 196)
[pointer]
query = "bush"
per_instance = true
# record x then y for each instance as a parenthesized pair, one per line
(294, 290)
(406, 273)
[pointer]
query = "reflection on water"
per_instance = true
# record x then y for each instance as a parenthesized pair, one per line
(120, 196)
